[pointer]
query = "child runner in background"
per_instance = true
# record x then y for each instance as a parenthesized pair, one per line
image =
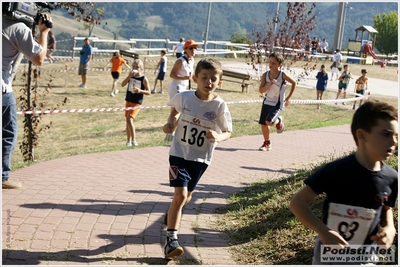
(162, 69)
(362, 86)
(344, 81)
(116, 68)
(273, 84)
(193, 144)
(322, 83)
(361, 189)
(138, 85)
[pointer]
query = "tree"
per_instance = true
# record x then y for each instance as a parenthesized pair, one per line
(31, 101)
(387, 36)
(292, 31)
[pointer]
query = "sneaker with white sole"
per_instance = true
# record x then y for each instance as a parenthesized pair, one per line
(280, 126)
(134, 143)
(112, 94)
(172, 249)
(161, 92)
(116, 91)
(129, 143)
(266, 146)
(344, 104)
(153, 91)
(82, 86)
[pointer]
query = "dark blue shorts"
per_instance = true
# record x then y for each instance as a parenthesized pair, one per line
(185, 173)
(269, 113)
(361, 92)
(161, 75)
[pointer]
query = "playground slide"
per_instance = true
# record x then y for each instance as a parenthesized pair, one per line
(368, 49)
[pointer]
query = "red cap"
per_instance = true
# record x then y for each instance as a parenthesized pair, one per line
(190, 43)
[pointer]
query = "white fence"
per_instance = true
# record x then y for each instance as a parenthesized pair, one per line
(143, 47)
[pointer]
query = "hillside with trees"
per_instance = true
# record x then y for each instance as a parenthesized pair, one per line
(172, 20)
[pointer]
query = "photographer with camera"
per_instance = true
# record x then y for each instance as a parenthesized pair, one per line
(18, 38)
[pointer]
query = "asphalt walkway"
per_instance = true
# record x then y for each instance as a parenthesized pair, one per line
(108, 208)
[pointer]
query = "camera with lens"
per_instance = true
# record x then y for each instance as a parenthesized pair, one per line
(27, 12)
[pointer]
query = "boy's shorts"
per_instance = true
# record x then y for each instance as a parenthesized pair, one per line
(361, 92)
(344, 87)
(82, 70)
(185, 173)
(269, 113)
(115, 75)
(49, 52)
(132, 112)
(160, 76)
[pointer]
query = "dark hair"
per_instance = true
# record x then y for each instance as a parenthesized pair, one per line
(277, 56)
(367, 116)
(323, 70)
(208, 64)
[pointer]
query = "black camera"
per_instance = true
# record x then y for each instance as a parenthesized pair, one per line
(48, 23)
(26, 12)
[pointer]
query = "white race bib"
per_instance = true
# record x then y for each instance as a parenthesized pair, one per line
(133, 83)
(352, 223)
(192, 132)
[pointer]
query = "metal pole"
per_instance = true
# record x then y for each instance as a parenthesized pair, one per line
(343, 24)
(276, 16)
(338, 32)
(207, 26)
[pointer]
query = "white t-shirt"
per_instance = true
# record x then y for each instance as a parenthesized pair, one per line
(178, 86)
(337, 56)
(179, 47)
(196, 118)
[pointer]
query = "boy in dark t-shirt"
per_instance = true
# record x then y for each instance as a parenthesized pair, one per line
(361, 190)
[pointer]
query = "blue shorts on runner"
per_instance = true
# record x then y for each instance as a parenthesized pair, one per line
(185, 173)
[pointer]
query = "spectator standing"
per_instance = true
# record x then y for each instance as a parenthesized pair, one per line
(162, 69)
(84, 61)
(337, 63)
(51, 47)
(182, 73)
(314, 46)
(17, 38)
(178, 50)
(322, 83)
(138, 85)
(116, 68)
(308, 44)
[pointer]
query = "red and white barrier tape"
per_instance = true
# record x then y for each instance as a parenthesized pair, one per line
(39, 112)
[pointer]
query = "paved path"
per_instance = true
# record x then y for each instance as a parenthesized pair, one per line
(108, 208)
(375, 86)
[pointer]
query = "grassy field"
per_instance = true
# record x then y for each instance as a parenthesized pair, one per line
(261, 228)
(79, 133)
(264, 230)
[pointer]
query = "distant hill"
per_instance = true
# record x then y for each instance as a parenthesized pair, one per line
(173, 20)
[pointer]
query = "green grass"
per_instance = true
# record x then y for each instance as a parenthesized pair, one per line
(261, 228)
